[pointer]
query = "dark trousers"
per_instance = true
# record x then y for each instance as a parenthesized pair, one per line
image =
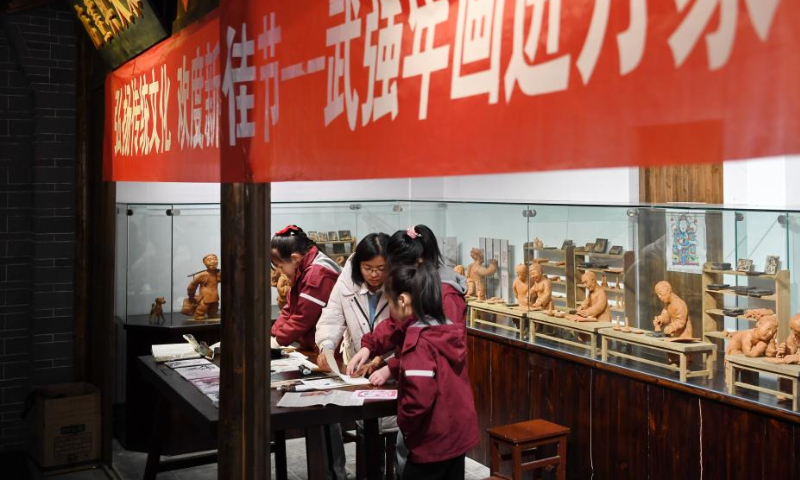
(452, 469)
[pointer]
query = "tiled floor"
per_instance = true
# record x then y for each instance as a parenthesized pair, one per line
(130, 466)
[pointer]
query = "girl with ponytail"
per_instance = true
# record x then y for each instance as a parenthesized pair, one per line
(435, 409)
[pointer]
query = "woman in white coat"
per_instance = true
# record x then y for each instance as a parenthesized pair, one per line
(355, 307)
(356, 304)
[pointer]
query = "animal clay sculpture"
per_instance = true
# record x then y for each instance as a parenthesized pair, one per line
(208, 284)
(789, 351)
(674, 318)
(521, 285)
(157, 311)
(476, 284)
(596, 302)
(282, 284)
(540, 296)
(756, 342)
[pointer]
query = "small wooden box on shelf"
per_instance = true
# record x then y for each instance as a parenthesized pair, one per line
(622, 300)
(714, 301)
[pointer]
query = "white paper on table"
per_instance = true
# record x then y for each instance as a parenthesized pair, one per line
(291, 363)
(325, 383)
(376, 394)
(187, 363)
(327, 397)
(200, 371)
(207, 385)
(335, 368)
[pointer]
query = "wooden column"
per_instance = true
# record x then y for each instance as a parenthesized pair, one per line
(681, 183)
(244, 390)
(94, 244)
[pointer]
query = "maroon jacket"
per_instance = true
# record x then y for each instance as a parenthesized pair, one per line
(313, 281)
(389, 336)
(435, 408)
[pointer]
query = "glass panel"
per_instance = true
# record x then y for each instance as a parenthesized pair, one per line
(149, 265)
(196, 233)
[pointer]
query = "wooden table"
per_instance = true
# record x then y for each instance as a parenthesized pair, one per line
(517, 315)
(589, 329)
(737, 363)
(182, 394)
(682, 350)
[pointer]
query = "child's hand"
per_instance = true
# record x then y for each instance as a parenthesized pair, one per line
(357, 361)
(370, 367)
(380, 377)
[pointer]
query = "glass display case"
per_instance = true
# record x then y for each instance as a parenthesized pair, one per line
(661, 289)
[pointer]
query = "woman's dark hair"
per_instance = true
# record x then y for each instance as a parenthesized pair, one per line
(424, 285)
(406, 247)
(369, 247)
(291, 239)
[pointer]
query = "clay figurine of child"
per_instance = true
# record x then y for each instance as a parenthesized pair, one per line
(208, 284)
(674, 318)
(540, 296)
(521, 285)
(596, 303)
(789, 351)
(476, 285)
(756, 342)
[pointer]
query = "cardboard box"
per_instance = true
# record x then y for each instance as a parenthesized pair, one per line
(64, 425)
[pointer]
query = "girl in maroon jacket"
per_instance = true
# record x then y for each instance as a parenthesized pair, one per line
(435, 408)
(313, 275)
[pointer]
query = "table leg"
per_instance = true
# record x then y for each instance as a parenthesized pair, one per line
(156, 438)
(472, 317)
(593, 346)
(604, 349)
(730, 375)
(316, 453)
(372, 449)
(281, 469)
(683, 366)
(795, 393)
(709, 363)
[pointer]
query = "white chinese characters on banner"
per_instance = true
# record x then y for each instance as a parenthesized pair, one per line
(212, 98)
(719, 44)
(184, 139)
(197, 99)
(240, 101)
(140, 115)
(425, 58)
(630, 43)
(546, 77)
(269, 37)
(382, 60)
(686, 242)
(340, 37)
(479, 33)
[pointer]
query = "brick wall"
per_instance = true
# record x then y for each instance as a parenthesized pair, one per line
(37, 228)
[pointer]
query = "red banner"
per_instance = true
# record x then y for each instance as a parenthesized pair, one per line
(335, 89)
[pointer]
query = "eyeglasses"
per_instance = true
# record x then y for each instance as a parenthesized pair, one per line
(369, 271)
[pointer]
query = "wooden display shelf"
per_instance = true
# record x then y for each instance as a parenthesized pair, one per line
(736, 363)
(600, 270)
(601, 255)
(552, 265)
(554, 250)
(682, 350)
(731, 292)
(517, 315)
(719, 335)
(743, 274)
(607, 289)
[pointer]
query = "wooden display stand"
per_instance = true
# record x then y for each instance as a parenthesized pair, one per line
(682, 350)
(714, 301)
(617, 266)
(329, 248)
(517, 315)
(738, 363)
(589, 329)
(563, 289)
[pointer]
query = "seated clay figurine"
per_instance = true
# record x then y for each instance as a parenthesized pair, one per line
(540, 295)
(521, 285)
(674, 318)
(157, 311)
(789, 351)
(757, 313)
(756, 342)
(538, 243)
(596, 303)
(282, 285)
(476, 285)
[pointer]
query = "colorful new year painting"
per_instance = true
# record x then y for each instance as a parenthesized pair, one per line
(686, 242)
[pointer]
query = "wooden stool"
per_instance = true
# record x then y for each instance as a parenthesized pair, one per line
(523, 437)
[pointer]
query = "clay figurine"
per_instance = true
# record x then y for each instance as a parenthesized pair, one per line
(341, 260)
(596, 302)
(208, 283)
(757, 313)
(674, 318)
(521, 285)
(604, 281)
(789, 351)
(538, 243)
(459, 269)
(756, 342)
(540, 296)
(476, 285)
(282, 284)
(157, 312)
